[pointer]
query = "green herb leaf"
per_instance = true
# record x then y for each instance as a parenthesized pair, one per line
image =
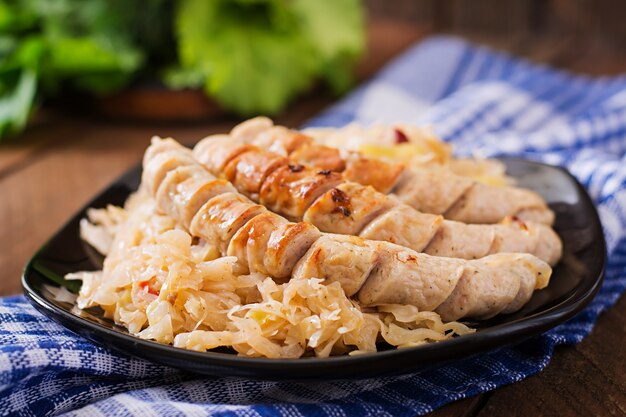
(92, 64)
(252, 54)
(15, 105)
(336, 29)
(71, 285)
(256, 55)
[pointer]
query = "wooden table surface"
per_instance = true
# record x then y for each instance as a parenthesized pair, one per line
(61, 161)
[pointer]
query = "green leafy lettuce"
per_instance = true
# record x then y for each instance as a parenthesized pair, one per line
(48, 46)
(253, 56)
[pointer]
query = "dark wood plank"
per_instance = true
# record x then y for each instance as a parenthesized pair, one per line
(595, 56)
(17, 151)
(489, 16)
(407, 11)
(588, 379)
(40, 196)
(462, 408)
(385, 40)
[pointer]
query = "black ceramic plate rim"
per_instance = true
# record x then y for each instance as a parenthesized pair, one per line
(483, 340)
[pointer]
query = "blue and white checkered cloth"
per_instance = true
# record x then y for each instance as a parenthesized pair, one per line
(475, 98)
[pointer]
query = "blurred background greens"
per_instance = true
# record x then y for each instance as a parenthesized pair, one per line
(250, 56)
(174, 60)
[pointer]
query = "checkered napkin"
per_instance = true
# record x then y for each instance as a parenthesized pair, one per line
(477, 99)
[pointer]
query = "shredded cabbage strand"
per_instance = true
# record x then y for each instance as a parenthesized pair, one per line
(163, 285)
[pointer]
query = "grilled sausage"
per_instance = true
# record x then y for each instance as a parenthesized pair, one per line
(324, 199)
(290, 190)
(430, 190)
(374, 272)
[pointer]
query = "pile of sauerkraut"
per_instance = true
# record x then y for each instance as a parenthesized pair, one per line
(411, 145)
(164, 285)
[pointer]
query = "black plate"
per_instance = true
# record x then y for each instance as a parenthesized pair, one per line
(574, 283)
